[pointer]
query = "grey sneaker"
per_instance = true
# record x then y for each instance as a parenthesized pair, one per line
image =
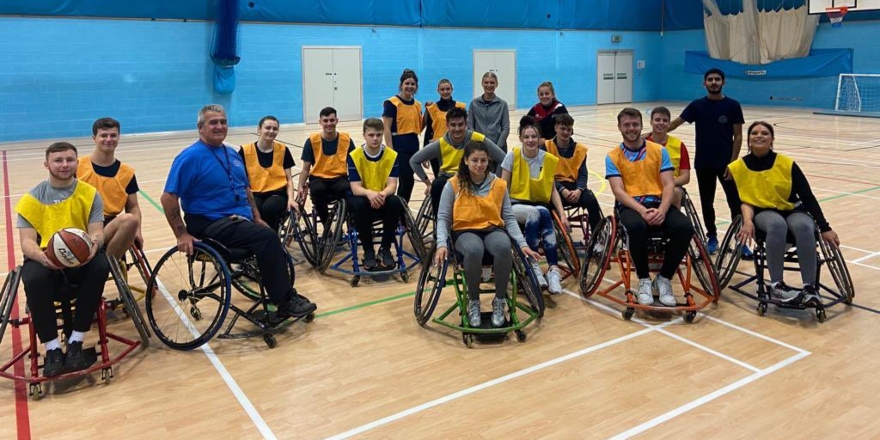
(473, 311)
(664, 288)
(646, 293)
(785, 293)
(554, 279)
(536, 269)
(811, 297)
(498, 319)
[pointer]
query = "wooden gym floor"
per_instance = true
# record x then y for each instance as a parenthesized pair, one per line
(365, 369)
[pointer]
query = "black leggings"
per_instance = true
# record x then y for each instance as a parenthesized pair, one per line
(272, 207)
(706, 182)
(676, 228)
(406, 179)
(323, 191)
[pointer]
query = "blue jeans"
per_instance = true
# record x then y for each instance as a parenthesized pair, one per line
(538, 227)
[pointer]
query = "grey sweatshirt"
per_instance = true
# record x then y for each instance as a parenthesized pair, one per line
(432, 151)
(447, 202)
(490, 118)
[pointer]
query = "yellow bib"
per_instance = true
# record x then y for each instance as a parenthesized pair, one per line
(409, 117)
(452, 156)
(265, 179)
(72, 212)
(673, 147)
(438, 119)
(567, 170)
(640, 178)
(374, 174)
(330, 167)
(112, 189)
(472, 212)
(524, 187)
(764, 189)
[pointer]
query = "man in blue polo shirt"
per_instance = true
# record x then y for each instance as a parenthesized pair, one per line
(208, 180)
(718, 124)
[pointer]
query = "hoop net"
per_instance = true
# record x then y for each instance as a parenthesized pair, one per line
(835, 15)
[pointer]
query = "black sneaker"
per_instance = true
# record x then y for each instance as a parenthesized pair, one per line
(54, 363)
(74, 360)
(387, 258)
(811, 297)
(370, 259)
(297, 306)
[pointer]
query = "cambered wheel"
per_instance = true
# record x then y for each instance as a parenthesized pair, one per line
(839, 272)
(332, 235)
(703, 268)
(306, 234)
(432, 278)
(425, 221)
(691, 211)
(565, 246)
(128, 301)
(7, 298)
(729, 254)
(412, 232)
(527, 282)
(602, 245)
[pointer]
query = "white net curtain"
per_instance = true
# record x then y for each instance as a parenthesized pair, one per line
(754, 36)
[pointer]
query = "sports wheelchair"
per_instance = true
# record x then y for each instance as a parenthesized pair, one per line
(687, 204)
(610, 244)
(196, 295)
(425, 221)
(727, 262)
(99, 356)
(334, 239)
(433, 278)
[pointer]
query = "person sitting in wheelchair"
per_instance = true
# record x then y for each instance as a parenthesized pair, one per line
(476, 205)
(61, 202)
(571, 171)
(529, 173)
(777, 199)
(640, 175)
(268, 163)
(448, 152)
(208, 180)
(678, 153)
(373, 172)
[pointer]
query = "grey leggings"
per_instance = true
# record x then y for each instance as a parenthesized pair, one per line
(472, 245)
(802, 228)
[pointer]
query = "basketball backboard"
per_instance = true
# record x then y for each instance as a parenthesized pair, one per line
(821, 6)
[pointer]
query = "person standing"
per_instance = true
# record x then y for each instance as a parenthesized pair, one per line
(488, 114)
(402, 116)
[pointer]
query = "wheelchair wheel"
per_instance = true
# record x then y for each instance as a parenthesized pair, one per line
(415, 237)
(527, 282)
(305, 234)
(565, 246)
(128, 300)
(248, 280)
(729, 254)
(425, 220)
(602, 245)
(839, 272)
(691, 212)
(7, 298)
(432, 278)
(140, 262)
(332, 235)
(194, 300)
(703, 268)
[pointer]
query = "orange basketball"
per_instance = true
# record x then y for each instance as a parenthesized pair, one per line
(69, 247)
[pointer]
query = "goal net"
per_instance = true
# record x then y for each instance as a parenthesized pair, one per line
(858, 93)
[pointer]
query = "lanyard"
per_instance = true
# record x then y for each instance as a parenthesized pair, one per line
(226, 167)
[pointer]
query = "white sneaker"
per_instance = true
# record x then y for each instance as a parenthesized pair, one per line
(646, 294)
(536, 269)
(554, 279)
(486, 274)
(664, 288)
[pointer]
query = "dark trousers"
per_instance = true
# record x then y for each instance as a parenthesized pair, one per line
(264, 244)
(272, 207)
(588, 201)
(43, 286)
(706, 181)
(435, 166)
(364, 215)
(406, 180)
(437, 191)
(323, 191)
(676, 228)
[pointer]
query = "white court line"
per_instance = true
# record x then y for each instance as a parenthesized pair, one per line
(221, 369)
(860, 259)
(450, 397)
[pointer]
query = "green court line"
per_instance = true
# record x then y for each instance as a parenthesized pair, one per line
(152, 202)
(851, 193)
(366, 304)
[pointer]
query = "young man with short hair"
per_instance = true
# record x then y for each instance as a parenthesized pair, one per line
(324, 164)
(678, 154)
(571, 171)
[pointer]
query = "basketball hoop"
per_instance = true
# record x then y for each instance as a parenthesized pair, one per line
(835, 15)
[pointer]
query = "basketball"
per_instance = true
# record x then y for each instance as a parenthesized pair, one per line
(69, 247)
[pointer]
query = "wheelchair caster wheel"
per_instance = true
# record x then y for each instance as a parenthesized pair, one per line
(36, 391)
(404, 276)
(689, 317)
(762, 309)
(309, 318)
(820, 315)
(195, 313)
(628, 313)
(354, 281)
(520, 335)
(270, 340)
(107, 374)
(468, 340)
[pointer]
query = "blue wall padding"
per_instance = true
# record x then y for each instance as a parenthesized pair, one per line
(636, 15)
(820, 62)
(502, 14)
(224, 79)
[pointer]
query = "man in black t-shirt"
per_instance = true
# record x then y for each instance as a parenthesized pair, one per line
(719, 121)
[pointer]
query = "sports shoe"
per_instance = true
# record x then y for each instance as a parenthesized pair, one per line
(553, 281)
(646, 294)
(54, 363)
(473, 311)
(811, 297)
(370, 262)
(747, 253)
(712, 244)
(536, 269)
(664, 288)
(785, 293)
(387, 258)
(297, 306)
(74, 359)
(498, 319)
(486, 274)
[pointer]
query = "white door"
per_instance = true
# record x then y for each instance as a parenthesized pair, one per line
(623, 72)
(605, 78)
(332, 77)
(503, 64)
